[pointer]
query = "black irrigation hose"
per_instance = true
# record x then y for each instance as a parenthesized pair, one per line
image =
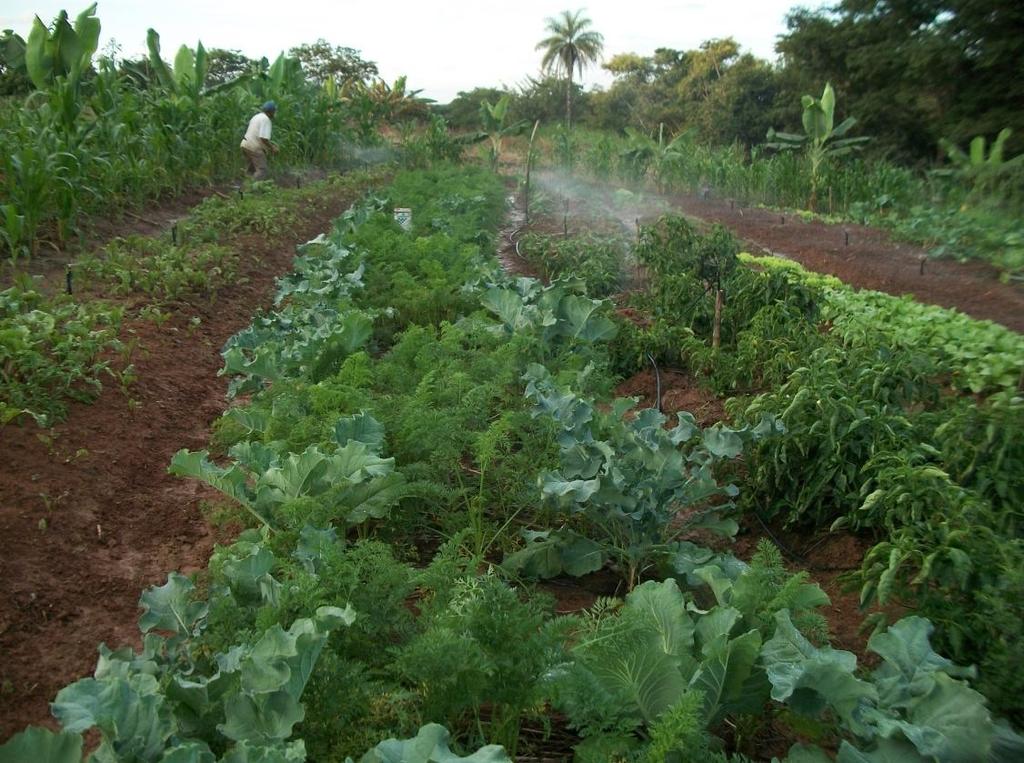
(513, 237)
(786, 550)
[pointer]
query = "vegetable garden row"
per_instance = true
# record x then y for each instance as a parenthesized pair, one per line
(417, 437)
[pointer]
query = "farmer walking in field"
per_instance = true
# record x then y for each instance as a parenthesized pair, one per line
(256, 143)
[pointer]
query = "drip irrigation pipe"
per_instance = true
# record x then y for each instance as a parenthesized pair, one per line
(513, 238)
(786, 550)
(657, 379)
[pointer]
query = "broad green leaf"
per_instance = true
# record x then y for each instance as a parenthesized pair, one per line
(355, 462)
(314, 545)
(724, 671)
(574, 490)
(909, 662)
(87, 30)
(248, 574)
(509, 308)
(547, 555)
(582, 556)
(295, 475)
(273, 676)
(157, 63)
(171, 607)
(372, 499)
(950, 723)
(252, 420)
(644, 673)
(685, 428)
(39, 745)
(540, 559)
(716, 624)
(883, 751)
(332, 618)
(688, 559)
(254, 752)
(582, 321)
(185, 68)
(38, 59)
(716, 579)
(809, 679)
(189, 752)
(663, 607)
(130, 712)
(723, 442)
(201, 67)
(430, 745)
(362, 427)
(197, 464)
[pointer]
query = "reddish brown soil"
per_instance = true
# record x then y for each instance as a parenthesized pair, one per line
(88, 513)
(679, 392)
(826, 558)
(872, 260)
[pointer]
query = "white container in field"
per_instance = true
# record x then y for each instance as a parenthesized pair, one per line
(403, 216)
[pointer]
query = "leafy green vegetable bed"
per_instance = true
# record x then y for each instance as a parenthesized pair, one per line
(420, 436)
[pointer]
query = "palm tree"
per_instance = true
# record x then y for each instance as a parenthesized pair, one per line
(572, 45)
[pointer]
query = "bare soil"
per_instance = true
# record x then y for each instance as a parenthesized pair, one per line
(88, 514)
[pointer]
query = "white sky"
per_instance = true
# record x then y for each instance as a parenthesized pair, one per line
(443, 45)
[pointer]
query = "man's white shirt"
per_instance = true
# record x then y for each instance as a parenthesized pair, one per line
(259, 127)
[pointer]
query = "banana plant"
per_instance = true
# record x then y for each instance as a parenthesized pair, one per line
(647, 154)
(823, 140)
(976, 167)
(493, 117)
(56, 58)
(12, 52)
(188, 77)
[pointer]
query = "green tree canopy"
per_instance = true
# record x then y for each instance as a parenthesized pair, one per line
(226, 65)
(915, 71)
(322, 61)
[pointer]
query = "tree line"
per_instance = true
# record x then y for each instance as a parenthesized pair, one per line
(913, 72)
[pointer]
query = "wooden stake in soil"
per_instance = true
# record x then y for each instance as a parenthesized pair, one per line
(716, 331)
(529, 166)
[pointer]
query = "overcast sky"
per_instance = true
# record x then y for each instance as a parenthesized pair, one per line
(443, 45)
